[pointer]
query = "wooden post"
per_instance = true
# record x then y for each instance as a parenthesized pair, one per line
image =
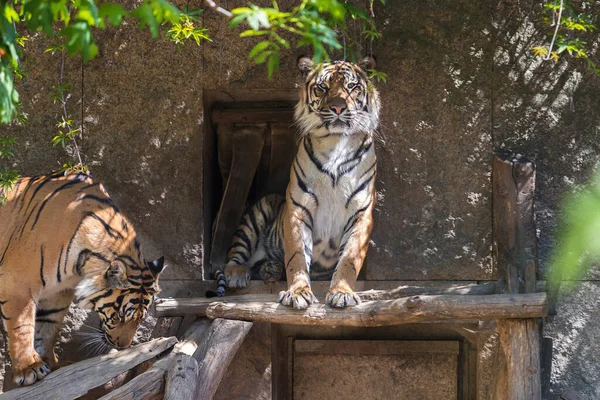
(151, 384)
(215, 353)
(248, 143)
(181, 378)
(515, 249)
(515, 256)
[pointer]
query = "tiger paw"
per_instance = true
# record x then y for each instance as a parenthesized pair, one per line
(30, 374)
(339, 298)
(298, 299)
(271, 271)
(237, 276)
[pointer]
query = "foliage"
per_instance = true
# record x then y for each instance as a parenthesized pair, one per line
(578, 244)
(69, 24)
(312, 23)
(568, 20)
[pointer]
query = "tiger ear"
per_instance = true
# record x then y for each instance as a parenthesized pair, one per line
(157, 266)
(116, 275)
(305, 65)
(367, 63)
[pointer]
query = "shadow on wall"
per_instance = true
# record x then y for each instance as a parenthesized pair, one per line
(547, 111)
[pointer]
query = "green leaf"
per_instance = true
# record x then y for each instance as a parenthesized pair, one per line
(258, 48)
(262, 57)
(114, 12)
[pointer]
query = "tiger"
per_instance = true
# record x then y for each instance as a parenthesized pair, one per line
(62, 239)
(320, 230)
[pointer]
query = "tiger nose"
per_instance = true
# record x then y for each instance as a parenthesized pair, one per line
(338, 105)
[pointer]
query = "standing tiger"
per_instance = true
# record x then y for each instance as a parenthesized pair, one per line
(60, 237)
(321, 229)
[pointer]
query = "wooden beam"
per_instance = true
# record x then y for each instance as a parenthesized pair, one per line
(515, 243)
(151, 384)
(197, 306)
(520, 340)
(248, 143)
(390, 312)
(181, 378)
(77, 379)
(215, 353)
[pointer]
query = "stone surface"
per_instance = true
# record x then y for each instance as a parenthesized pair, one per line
(575, 331)
(433, 217)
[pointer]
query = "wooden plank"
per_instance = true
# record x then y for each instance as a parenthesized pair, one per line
(252, 115)
(414, 309)
(197, 306)
(282, 359)
(247, 149)
(283, 150)
(77, 379)
(546, 365)
(151, 383)
(215, 353)
(224, 149)
(375, 347)
(515, 246)
(182, 378)
(520, 340)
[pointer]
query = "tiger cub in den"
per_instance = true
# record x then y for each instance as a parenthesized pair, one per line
(62, 237)
(321, 229)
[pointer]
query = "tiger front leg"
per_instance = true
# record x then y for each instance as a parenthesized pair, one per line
(353, 252)
(19, 322)
(49, 318)
(297, 249)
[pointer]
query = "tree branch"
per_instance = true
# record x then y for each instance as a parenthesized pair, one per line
(218, 9)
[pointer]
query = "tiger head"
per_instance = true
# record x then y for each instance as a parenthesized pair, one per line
(121, 295)
(338, 97)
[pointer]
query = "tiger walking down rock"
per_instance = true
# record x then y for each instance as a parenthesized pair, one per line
(62, 237)
(321, 229)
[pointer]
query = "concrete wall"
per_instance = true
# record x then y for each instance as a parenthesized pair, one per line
(461, 82)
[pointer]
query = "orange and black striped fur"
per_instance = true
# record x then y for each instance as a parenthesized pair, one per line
(62, 237)
(321, 229)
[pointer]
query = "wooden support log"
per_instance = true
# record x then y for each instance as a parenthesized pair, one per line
(216, 352)
(150, 384)
(515, 246)
(391, 312)
(167, 307)
(77, 379)
(520, 340)
(181, 378)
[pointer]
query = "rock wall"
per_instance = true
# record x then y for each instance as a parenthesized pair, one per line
(461, 81)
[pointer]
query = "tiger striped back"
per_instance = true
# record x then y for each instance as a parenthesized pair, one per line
(60, 237)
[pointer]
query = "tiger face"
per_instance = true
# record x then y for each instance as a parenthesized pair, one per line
(121, 297)
(337, 97)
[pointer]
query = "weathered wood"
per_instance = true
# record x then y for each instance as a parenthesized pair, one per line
(390, 312)
(520, 340)
(253, 115)
(77, 379)
(374, 347)
(282, 359)
(151, 383)
(181, 378)
(198, 305)
(515, 247)
(216, 351)
(247, 150)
